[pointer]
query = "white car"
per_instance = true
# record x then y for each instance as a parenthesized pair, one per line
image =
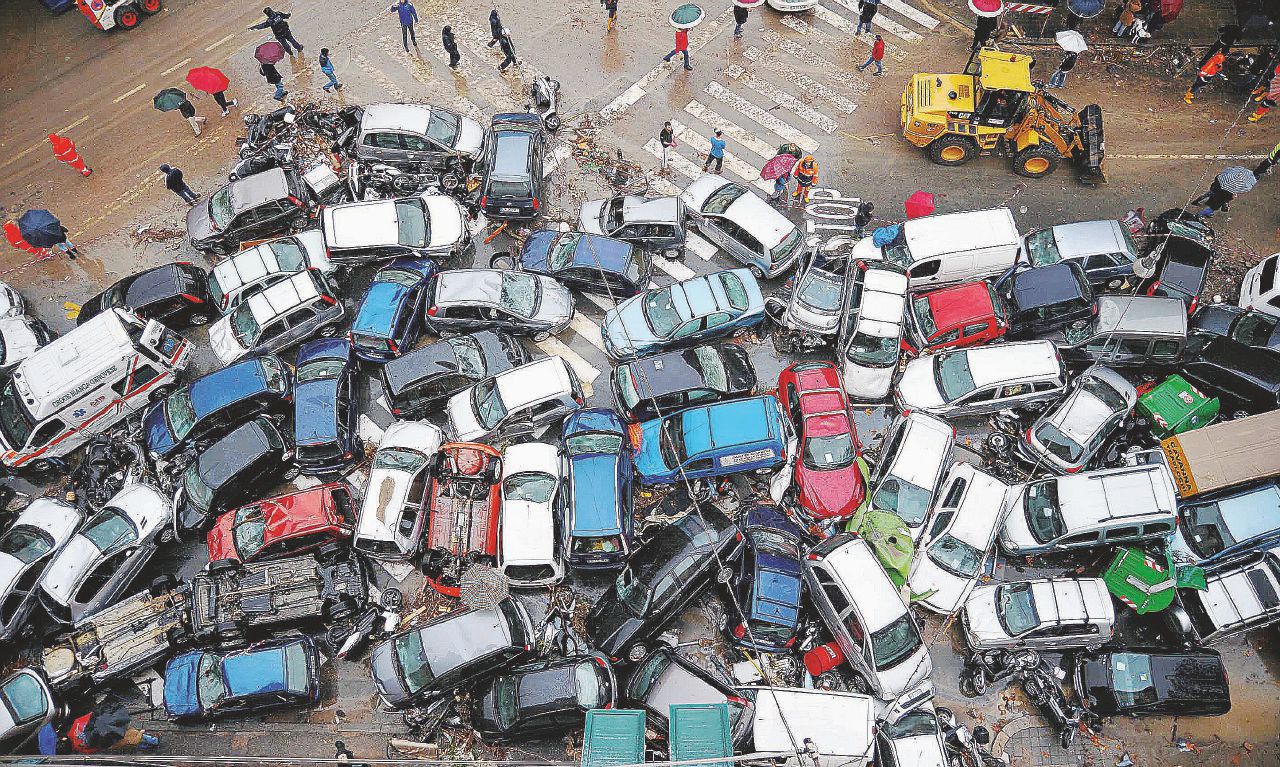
(103, 558)
(20, 336)
(982, 379)
(278, 317)
(533, 502)
(1068, 435)
(266, 264)
(871, 339)
(27, 706)
(1259, 289)
(913, 739)
(430, 225)
(1239, 597)
(740, 221)
(393, 513)
(1046, 613)
(11, 303)
(27, 548)
(915, 452)
(963, 525)
(522, 400)
(791, 6)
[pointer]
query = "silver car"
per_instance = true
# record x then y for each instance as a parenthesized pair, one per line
(277, 318)
(1068, 435)
(653, 223)
(740, 221)
(26, 549)
(419, 136)
(26, 705)
(498, 299)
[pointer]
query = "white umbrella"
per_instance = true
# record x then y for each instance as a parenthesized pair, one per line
(1071, 41)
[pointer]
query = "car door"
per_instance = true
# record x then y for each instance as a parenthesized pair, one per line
(714, 227)
(302, 323)
(418, 150)
(382, 145)
(409, 522)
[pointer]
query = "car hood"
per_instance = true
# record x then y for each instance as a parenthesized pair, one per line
(906, 675)
(920, 751)
(447, 223)
(556, 306)
(648, 458)
(224, 343)
(917, 388)
(180, 685)
(589, 217)
(827, 494)
(948, 589)
(66, 572)
(462, 420)
(981, 617)
(625, 328)
(867, 383)
(160, 440)
(199, 223)
(221, 540)
(470, 137)
(386, 677)
(20, 340)
(611, 626)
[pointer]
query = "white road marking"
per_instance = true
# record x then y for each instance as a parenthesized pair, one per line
(215, 44)
(423, 73)
(782, 98)
(368, 430)
(1111, 156)
(74, 124)
(585, 370)
(779, 128)
(807, 83)
(701, 247)
(887, 24)
(380, 78)
(676, 269)
(677, 162)
(828, 16)
(557, 156)
(663, 186)
(182, 63)
(748, 139)
(733, 164)
(588, 330)
(127, 94)
(911, 12)
(477, 39)
(835, 73)
(600, 301)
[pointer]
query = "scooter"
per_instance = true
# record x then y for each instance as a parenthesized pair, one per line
(1044, 691)
(986, 667)
(965, 748)
(545, 93)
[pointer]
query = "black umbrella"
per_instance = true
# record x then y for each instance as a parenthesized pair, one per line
(107, 725)
(41, 228)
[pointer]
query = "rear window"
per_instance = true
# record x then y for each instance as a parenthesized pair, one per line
(529, 572)
(411, 223)
(722, 198)
(734, 291)
(512, 155)
(510, 189)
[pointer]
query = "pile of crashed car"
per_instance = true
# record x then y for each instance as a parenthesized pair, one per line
(1116, 418)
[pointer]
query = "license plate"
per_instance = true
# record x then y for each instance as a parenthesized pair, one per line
(509, 210)
(741, 458)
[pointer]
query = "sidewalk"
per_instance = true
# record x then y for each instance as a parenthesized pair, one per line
(1196, 26)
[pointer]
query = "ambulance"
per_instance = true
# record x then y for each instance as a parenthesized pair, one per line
(84, 383)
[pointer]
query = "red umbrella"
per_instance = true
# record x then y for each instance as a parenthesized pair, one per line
(919, 204)
(988, 8)
(269, 52)
(208, 79)
(782, 165)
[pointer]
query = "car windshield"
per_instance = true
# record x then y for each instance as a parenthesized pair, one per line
(110, 528)
(872, 351)
(273, 369)
(320, 370)
(201, 494)
(505, 709)
(220, 210)
(955, 556)
(789, 245)
(398, 459)
(661, 313)
(25, 698)
(562, 250)
(924, 317)
(1043, 248)
(894, 643)
(404, 277)
(1213, 527)
(1131, 680)
(711, 365)
(1105, 392)
(1016, 608)
(531, 486)
(249, 531)
(288, 255)
(611, 215)
(180, 414)
(820, 290)
(1254, 329)
(897, 251)
(952, 372)
(15, 423)
(1059, 445)
(1044, 518)
(735, 291)
(466, 350)
(411, 223)
(720, 200)
(413, 661)
(244, 326)
(486, 401)
(908, 501)
(519, 293)
(912, 725)
(442, 128)
(775, 542)
(593, 442)
(671, 442)
(826, 453)
(25, 544)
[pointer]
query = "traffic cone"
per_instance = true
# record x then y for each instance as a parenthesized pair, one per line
(1258, 113)
(65, 150)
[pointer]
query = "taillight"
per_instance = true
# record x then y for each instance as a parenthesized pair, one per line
(431, 312)
(1194, 302)
(395, 411)
(742, 702)
(812, 557)
(1073, 470)
(738, 536)
(330, 300)
(184, 263)
(636, 434)
(1094, 309)
(484, 200)
(535, 203)
(1151, 291)
(295, 201)
(391, 343)
(192, 298)
(790, 642)
(346, 455)
(1028, 436)
(906, 412)
(740, 630)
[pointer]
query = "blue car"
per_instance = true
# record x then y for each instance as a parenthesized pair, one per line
(588, 262)
(215, 404)
(713, 440)
(766, 585)
(324, 418)
(598, 523)
(389, 319)
(203, 684)
(683, 314)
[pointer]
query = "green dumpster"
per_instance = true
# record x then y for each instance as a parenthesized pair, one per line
(613, 737)
(1175, 406)
(700, 731)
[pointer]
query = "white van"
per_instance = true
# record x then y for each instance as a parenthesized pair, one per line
(841, 725)
(950, 247)
(82, 384)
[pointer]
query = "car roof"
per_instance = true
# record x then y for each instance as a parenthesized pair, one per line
(468, 286)
(365, 224)
(1045, 285)
(1126, 492)
(538, 380)
(396, 117)
(382, 304)
(279, 298)
(1013, 361)
(932, 235)
(1086, 238)
(252, 191)
(665, 373)
(960, 304)
(1238, 594)
(213, 391)
(441, 638)
(224, 459)
(927, 435)
(727, 424)
(512, 153)
(658, 210)
(1081, 414)
(1071, 599)
(760, 219)
(161, 282)
(878, 601)
(1144, 314)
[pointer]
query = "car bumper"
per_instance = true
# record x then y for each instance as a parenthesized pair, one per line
(510, 210)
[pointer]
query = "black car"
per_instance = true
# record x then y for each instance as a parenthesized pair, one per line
(235, 469)
(1184, 248)
(254, 207)
(1247, 327)
(665, 677)
(544, 697)
(664, 574)
(420, 382)
(590, 263)
(1045, 299)
(512, 187)
(1190, 682)
(1247, 379)
(652, 386)
(176, 294)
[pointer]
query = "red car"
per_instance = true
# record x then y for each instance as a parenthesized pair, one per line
(961, 315)
(464, 503)
(828, 482)
(284, 526)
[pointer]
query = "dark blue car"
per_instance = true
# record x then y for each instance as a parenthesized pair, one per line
(588, 262)
(203, 684)
(766, 586)
(389, 319)
(598, 523)
(324, 419)
(214, 404)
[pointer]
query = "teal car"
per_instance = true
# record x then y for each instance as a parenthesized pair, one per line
(685, 313)
(713, 440)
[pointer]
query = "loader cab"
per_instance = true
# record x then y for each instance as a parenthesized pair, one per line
(1003, 80)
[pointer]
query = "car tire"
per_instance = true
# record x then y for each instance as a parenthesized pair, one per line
(221, 566)
(292, 473)
(858, 684)
(392, 599)
(637, 652)
(39, 468)
(1037, 161)
(340, 609)
(952, 150)
(196, 320)
(228, 633)
(541, 336)
(757, 272)
(162, 584)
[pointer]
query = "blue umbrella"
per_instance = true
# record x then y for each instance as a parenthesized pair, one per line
(1086, 9)
(41, 229)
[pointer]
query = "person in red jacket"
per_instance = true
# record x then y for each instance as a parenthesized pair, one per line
(85, 742)
(682, 46)
(877, 55)
(1207, 72)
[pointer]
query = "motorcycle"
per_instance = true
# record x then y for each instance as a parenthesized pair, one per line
(1044, 691)
(986, 667)
(256, 160)
(374, 623)
(104, 470)
(545, 93)
(965, 748)
(377, 181)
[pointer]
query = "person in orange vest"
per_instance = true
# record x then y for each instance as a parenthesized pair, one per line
(14, 235)
(1267, 99)
(1211, 69)
(806, 177)
(65, 150)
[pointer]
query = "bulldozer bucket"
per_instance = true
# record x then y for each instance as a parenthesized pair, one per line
(1094, 146)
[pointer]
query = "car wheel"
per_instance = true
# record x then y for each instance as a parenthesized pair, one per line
(40, 468)
(163, 584)
(392, 599)
(637, 652)
(724, 575)
(292, 473)
(757, 272)
(339, 609)
(220, 566)
(336, 636)
(162, 392)
(328, 331)
(199, 319)
(858, 684)
(978, 681)
(541, 336)
(501, 260)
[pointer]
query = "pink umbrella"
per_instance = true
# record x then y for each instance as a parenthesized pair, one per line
(269, 52)
(987, 8)
(748, 3)
(919, 204)
(782, 165)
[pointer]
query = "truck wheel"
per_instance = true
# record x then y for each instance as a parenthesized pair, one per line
(1036, 161)
(953, 150)
(151, 7)
(228, 633)
(127, 17)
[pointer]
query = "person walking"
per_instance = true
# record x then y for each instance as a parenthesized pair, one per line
(862, 217)
(1214, 200)
(1267, 97)
(408, 17)
(279, 29)
(495, 28)
(64, 150)
(174, 183)
(682, 46)
(876, 57)
(867, 10)
(273, 77)
(716, 153)
(508, 48)
(14, 235)
(780, 187)
(740, 15)
(326, 66)
(1211, 69)
(450, 46)
(221, 99)
(1059, 77)
(667, 138)
(1266, 165)
(806, 177)
(188, 110)
(1128, 14)
(611, 11)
